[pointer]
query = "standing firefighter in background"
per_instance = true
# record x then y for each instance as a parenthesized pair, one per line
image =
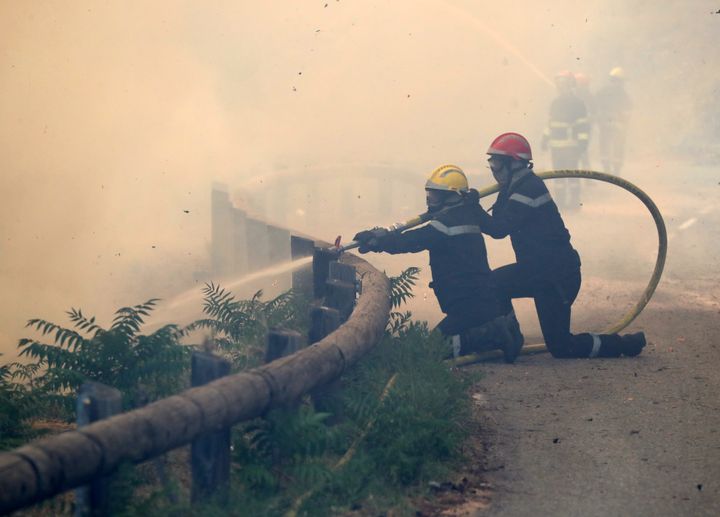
(613, 113)
(582, 90)
(567, 137)
(548, 267)
(461, 278)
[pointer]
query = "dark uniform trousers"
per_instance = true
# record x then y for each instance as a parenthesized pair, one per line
(553, 302)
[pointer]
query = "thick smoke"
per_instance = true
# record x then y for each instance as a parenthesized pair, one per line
(118, 117)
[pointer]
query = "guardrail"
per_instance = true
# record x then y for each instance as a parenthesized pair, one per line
(47, 467)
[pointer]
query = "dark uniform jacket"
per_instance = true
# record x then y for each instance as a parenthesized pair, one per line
(459, 265)
(525, 210)
(569, 126)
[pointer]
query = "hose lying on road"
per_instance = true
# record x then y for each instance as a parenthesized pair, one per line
(654, 279)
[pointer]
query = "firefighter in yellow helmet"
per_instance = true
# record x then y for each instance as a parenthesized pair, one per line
(475, 318)
(613, 113)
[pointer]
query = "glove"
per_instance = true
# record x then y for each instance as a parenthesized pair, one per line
(371, 240)
(471, 197)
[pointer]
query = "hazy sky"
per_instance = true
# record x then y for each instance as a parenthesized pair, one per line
(116, 117)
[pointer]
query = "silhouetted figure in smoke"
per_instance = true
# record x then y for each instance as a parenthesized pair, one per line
(613, 113)
(582, 90)
(567, 137)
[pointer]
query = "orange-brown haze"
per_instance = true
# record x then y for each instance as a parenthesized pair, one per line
(116, 119)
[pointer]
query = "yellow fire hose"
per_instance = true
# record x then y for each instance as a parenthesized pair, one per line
(654, 279)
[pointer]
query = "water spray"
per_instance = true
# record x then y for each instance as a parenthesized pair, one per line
(163, 314)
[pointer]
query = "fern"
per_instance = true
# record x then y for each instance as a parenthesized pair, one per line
(401, 286)
(240, 327)
(141, 366)
(398, 322)
(18, 404)
(400, 291)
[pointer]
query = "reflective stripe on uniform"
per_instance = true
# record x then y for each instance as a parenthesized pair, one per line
(455, 230)
(456, 346)
(533, 203)
(596, 346)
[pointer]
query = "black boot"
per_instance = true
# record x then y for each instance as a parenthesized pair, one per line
(632, 344)
(512, 337)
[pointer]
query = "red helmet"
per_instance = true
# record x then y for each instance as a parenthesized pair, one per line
(581, 79)
(565, 77)
(511, 144)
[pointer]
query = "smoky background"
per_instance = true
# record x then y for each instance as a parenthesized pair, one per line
(116, 119)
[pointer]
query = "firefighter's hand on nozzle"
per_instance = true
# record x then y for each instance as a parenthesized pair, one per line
(471, 197)
(371, 240)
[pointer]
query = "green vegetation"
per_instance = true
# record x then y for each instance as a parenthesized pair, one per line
(18, 404)
(369, 442)
(239, 327)
(142, 367)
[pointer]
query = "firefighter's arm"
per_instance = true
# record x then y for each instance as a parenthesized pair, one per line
(410, 241)
(502, 225)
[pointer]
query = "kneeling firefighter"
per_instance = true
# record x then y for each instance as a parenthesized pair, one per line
(461, 278)
(547, 267)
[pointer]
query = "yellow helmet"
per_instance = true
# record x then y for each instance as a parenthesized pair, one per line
(617, 73)
(448, 177)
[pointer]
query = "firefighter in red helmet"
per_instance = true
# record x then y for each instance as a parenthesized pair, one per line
(567, 136)
(547, 267)
(582, 90)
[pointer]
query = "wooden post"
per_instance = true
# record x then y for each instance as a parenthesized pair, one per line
(281, 343)
(302, 280)
(341, 289)
(323, 321)
(95, 402)
(210, 452)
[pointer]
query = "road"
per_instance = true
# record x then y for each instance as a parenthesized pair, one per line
(610, 437)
